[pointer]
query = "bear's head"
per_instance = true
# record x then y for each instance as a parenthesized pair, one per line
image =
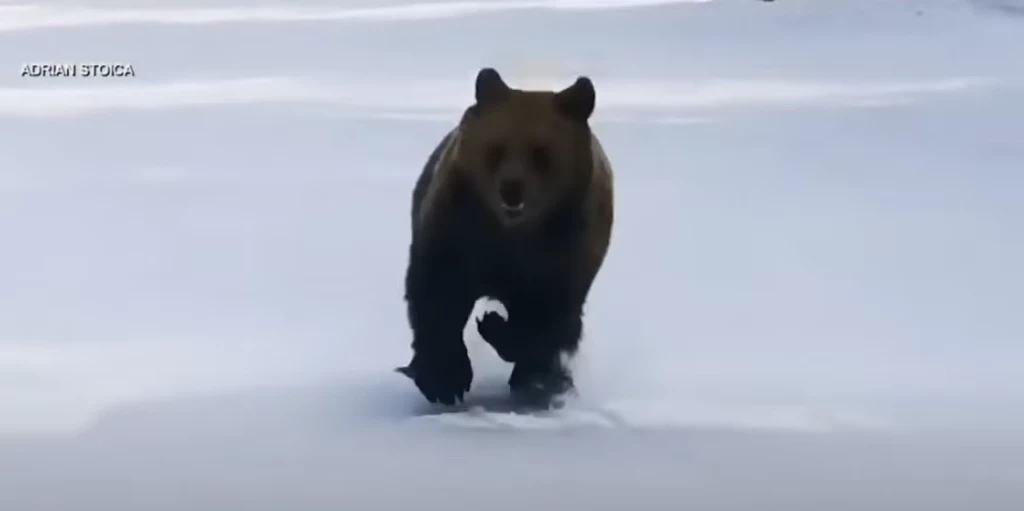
(526, 153)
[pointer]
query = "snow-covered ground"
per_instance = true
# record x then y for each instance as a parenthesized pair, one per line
(814, 297)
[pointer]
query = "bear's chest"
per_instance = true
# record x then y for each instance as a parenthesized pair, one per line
(513, 261)
(507, 265)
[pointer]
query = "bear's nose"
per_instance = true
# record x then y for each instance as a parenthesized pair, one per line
(511, 191)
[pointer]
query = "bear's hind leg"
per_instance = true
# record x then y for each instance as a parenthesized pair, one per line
(499, 334)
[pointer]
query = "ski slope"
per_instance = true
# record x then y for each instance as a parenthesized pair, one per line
(812, 300)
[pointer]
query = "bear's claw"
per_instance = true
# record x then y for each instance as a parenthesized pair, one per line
(440, 381)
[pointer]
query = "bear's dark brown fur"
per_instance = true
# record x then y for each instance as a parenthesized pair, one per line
(516, 204)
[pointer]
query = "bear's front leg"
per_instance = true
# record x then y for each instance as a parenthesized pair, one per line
(535, 340)
(540, 374)
(439, 301)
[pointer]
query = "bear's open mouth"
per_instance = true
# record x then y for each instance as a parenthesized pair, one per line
(511, 194)
(512, 211)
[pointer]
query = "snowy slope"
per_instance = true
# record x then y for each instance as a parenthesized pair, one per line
(812, 299)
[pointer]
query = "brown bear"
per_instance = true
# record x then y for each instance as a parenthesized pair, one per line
(515, 203)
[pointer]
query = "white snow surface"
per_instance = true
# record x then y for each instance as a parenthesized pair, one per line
(814, 298)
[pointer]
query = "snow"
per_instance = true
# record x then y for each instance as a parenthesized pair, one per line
(812, 299)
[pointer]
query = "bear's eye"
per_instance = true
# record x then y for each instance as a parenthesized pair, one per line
(540, 158)
(494, 156)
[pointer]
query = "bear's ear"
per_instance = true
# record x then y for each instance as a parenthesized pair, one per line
(490, 88)
(577, 100)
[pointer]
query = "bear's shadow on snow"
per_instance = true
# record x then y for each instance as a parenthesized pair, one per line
(489, 395)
